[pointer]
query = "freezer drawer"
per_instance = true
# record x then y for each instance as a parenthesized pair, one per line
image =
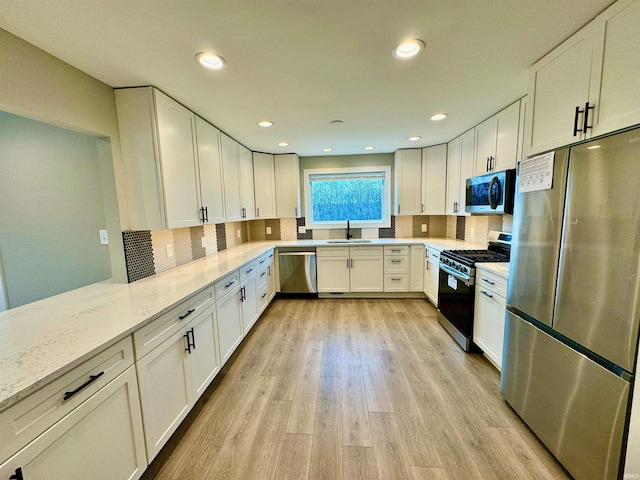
(575, 406)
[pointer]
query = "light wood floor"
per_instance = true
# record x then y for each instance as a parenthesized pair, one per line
(353, 389)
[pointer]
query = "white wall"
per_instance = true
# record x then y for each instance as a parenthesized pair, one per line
(39, 86)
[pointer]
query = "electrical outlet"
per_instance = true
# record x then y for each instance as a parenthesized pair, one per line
(104, 237)
(202, 242)
(170, 250)
(302, 229)
(238, 233)
(423, 227)
(268, 230)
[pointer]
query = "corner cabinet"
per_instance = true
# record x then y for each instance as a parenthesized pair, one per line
(287, 178)
(587, 86)
(407, 180)
(245, 169)
(231, 179)
(160, 162)
(265, 185)
(496, 141)
(434, 175)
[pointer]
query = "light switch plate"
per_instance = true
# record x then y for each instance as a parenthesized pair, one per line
(104, 237)
(268, 230)
(202, 242)
(170, 250)
(423, 227)
(302, 229)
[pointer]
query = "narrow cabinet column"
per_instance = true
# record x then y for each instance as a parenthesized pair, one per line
(287, 173)
(231, 176)
(247, 197)
(265, 185)
(407, 177)
(434, 180)
(210, 168)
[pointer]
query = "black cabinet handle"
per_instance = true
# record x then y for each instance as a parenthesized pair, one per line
(263, 295)
(202, 218)
(189, 312)
(576, 130)
(243, 297)
(229, 284)
(487, 166)
(586, 125)
(68, 395)
(17, 475)
(206, 213)
(258, 212)
(191, 343)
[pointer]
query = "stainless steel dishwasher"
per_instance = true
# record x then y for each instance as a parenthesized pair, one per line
(297, 268)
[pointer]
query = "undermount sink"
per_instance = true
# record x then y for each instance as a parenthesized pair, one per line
(353, 240)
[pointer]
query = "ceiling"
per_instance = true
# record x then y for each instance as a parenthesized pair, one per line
(304, 63)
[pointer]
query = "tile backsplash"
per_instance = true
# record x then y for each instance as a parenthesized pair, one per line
(146, 250)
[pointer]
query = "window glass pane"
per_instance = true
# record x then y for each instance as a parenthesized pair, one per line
(342, 197)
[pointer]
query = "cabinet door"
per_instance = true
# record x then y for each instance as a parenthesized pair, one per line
(164, 391)
(433, 273)
(453, 177)
(249, 304)
(210, 168)
(616, 67)
(416, 275)
(407, 173)
(101, 439)
(467, 144)
(271, 285)
(265, 185)
(178, 162)
(204, 357)
(367, 274)
(230, 331)
(488, 326)
(485, 149)
(506, 149)
(287, 173)
(231, 176)
(333, 274)
(434, 180)
(247, 198)
(557, 85)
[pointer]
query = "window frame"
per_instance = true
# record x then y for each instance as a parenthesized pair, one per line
(386, 204)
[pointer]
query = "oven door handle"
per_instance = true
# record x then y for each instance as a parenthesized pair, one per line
(456, 274)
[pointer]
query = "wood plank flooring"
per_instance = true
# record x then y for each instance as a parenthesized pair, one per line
(352, 389)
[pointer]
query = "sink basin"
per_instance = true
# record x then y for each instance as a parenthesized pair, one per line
(355, 240)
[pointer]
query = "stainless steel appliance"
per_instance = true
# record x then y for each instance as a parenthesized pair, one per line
(297, 270)
(491, 193)
(573, 305)
(456, 291)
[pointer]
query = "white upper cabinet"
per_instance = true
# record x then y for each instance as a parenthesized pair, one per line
(210, 168)
(407, 176)
(434, 180)
(159, 157)
(496, 141)
(588, 85)
(287, 174)
(467, 149)
(245, 167)
(265, 185)
(231, 176)
(453, 177)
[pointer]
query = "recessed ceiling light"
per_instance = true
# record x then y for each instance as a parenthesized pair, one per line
(327, 149)
(408, 48)
(369, 148)
(593, 147)
(211, 60)
(265, 123)
(283, 144)
(438, 116)
(414, 138)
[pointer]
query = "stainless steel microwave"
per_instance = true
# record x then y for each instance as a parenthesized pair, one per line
(491, 193)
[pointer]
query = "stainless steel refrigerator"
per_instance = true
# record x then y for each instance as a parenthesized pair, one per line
(573, 301)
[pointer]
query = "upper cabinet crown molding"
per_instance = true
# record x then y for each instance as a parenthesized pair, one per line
(587, 86)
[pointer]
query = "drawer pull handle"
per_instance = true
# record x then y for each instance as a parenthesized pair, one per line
(395, 250)
(396, 261)
(229, 284)
(486, 294)
(249, 271)
(396, 279)
(263, 274)
(263, 295)
(262, 261)
(92, 378)
(189, 312)
(488, 281)
(17, 475)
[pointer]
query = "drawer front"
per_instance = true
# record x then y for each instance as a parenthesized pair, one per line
(396, 250)
(249, 270)
(263, 260)
(154, 333)
(263, 276)
(434, 255)
(226, 284)
(491, 281)
(369, 251)
(396, 283)
(396, 264)
(332, 251)
(263, 297)
(25, 420)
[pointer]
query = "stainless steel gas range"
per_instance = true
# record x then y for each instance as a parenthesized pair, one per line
(456, 292)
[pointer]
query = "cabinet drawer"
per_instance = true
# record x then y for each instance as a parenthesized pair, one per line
(249, 270)
(491, 281)
(396, 264)
(154, 333)
(263, 276)
(25, 420)
(434, 255)
(396, 282)
(369, 251)
(226, 284)
(263, 297)
(396, 250)
(332, 251)
(264, 260)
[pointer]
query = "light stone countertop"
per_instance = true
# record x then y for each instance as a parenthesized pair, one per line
(499, 268)
(43, 340)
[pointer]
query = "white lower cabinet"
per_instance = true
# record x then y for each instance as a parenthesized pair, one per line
(249, 297)
(230, 331)
(416, 275)
(432, 275)
(366, 273)
(333, 273)
(100, 439)
(490, 305)
(350, 269)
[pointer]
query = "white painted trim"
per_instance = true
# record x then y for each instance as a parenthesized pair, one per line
(3, 294)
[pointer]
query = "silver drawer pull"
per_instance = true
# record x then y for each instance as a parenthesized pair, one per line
(229, 284)
(488, 281)
(92, 378)
(486, 294)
